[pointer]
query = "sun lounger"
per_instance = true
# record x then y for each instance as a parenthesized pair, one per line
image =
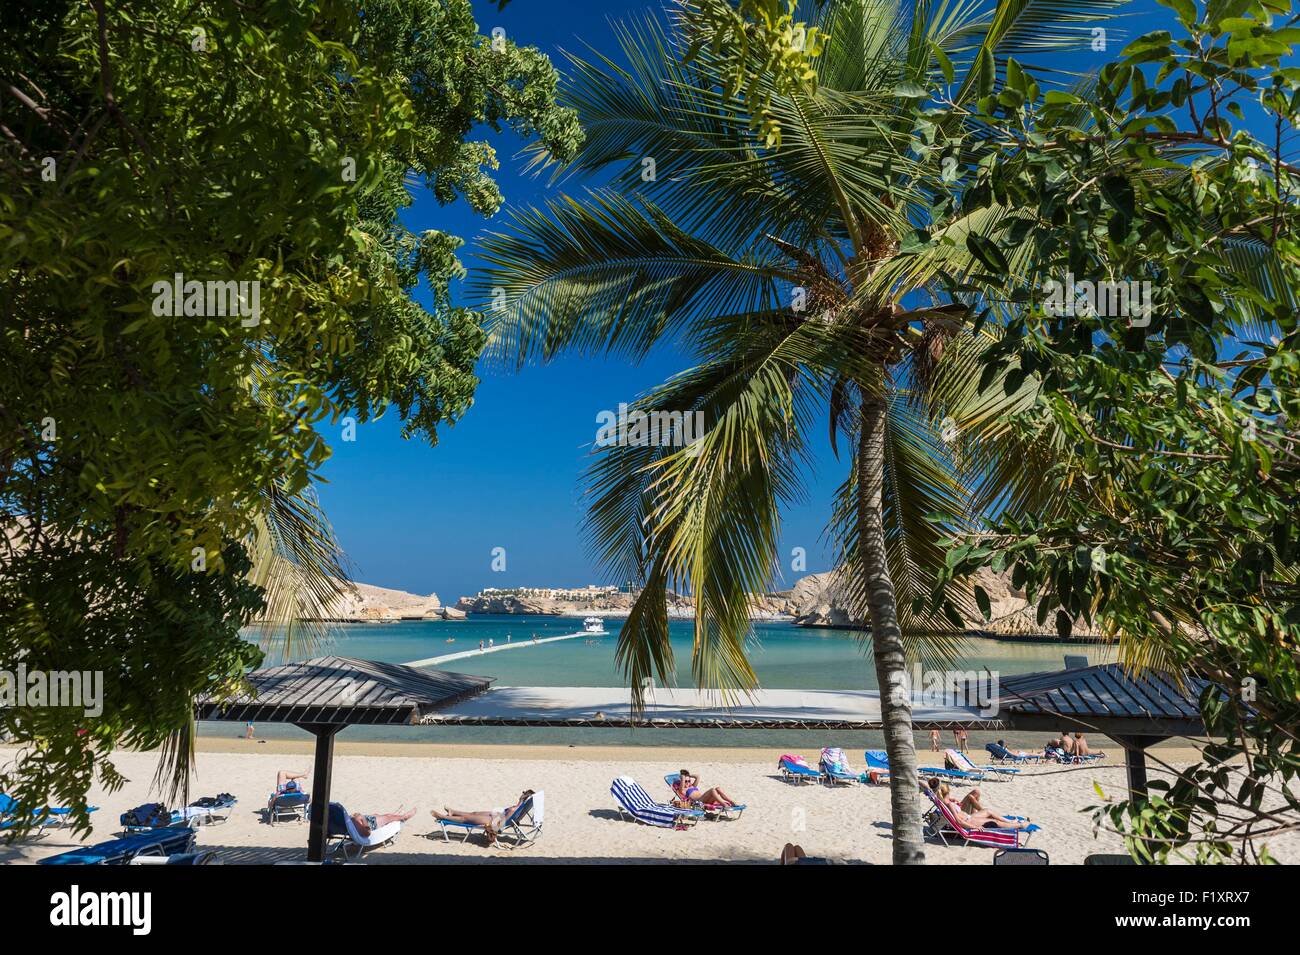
(878, 761)
(963, 763)
(168, 841)
(795, 769)
(942, 824)
(1061, 756)
(49, 817)
(635, 803)
(344, 838)
(524, 825)
(1000, 754)
(292, 804)
(877, 765)
(710, 810)
(207, 811)
(835, 767)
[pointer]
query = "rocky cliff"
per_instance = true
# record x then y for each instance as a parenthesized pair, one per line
(816, 600)
(370, 603)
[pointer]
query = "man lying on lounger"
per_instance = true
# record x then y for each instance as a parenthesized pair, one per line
(491, 821)
(687, 788)
(970, 812)
(367, 824)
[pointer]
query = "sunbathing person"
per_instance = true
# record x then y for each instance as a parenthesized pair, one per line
(1018, 753)
(367, 824)
(1081, 747)
(1066, 742)
(491, 821)
(977, 817)
(287, 782)
(687, 788)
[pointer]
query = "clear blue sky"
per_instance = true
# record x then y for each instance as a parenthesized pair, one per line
(427, 519)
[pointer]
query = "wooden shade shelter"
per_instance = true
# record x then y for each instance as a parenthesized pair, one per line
(1135, 711)
(327, 694)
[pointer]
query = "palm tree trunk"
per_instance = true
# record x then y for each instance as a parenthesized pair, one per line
(887, 638)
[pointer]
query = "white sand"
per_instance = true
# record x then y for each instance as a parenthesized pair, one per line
(848, 823)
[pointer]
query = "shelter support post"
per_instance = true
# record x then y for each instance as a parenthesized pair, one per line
(1135, 761)
(322, 771)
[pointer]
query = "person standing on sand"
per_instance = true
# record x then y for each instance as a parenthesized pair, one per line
(934, 741)
(248, 730)
(959, 736)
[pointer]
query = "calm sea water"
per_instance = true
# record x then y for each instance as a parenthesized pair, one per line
(782, 655)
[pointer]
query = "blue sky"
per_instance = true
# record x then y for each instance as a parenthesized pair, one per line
(427, 519)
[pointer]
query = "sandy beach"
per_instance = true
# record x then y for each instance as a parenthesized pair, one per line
(848, 824)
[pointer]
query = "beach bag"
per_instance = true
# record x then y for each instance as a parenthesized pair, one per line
(152, 815)
(219, 801)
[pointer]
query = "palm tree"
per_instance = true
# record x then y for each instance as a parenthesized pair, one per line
(777, 269)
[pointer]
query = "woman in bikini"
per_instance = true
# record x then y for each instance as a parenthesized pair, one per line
(970, 813)
(687, 788)
(492, 822)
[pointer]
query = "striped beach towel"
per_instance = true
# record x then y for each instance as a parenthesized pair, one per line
(636, 802)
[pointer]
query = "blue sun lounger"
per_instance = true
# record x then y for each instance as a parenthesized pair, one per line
(173, 840)
(635, 803)
(879, 759)
(50, 816)
(524, 825)
(1000, 754)
(835, 767)
(796, 770)
(292, 803)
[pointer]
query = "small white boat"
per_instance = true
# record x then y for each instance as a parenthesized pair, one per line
(593, 625)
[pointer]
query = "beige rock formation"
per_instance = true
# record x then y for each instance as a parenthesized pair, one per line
(368, 602)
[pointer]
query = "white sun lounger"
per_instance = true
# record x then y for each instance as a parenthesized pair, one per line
(351, 843)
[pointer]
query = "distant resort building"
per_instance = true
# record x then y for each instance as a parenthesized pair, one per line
(551, 593)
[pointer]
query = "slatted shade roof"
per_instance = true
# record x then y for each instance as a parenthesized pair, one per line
(343, 691)
(1104, 698)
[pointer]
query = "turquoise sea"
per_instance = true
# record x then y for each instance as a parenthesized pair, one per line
(783, 656)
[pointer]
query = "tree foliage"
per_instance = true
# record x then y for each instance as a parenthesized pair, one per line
(1179, 466)
(275, 143)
